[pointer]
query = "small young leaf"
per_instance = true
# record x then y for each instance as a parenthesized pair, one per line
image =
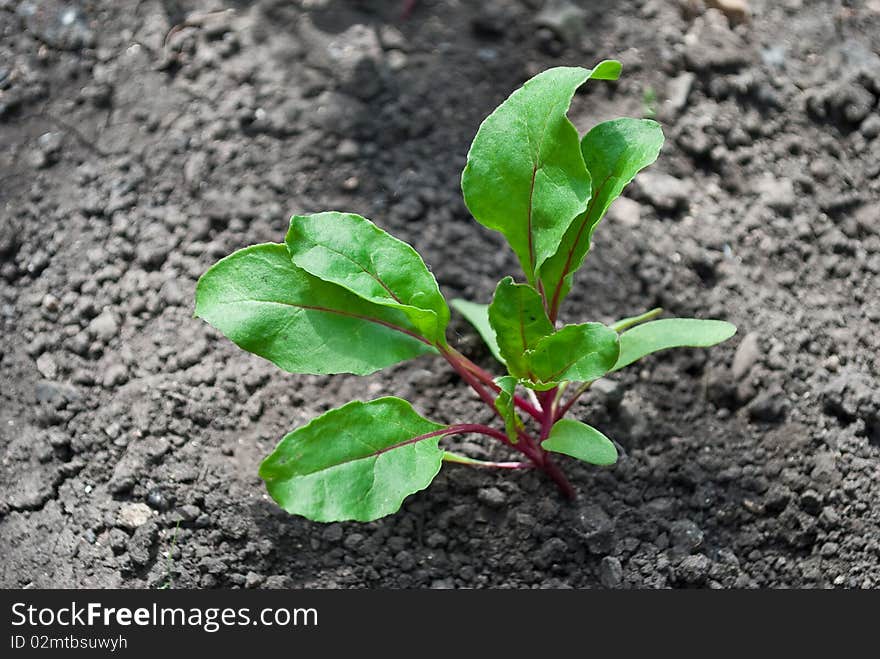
(670, 333)
(268, 306)
(580, 441)
(478, 316)
(505, 405)
(517, 315)
(351, 251)
(525, 174)
(575, 353)
(357, 462)
(614, 152)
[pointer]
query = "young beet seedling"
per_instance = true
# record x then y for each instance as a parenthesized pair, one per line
(342, 296)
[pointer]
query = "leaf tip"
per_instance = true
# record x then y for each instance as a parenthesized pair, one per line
(608, 69)
(730, 327)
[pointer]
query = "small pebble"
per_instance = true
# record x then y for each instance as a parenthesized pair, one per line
(610, 572)
(492, 497)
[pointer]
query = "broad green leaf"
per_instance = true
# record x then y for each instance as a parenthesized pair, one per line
(626, 323)
(580, 441)
(575, 353)
(525, 175)
(351, 251)
(357, 462)
(268, 306)
(670, 333)
(506, 407)
(517, 315)
(478, 316)
(614, 152)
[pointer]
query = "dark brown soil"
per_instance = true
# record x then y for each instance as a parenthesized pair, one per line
(136, 153)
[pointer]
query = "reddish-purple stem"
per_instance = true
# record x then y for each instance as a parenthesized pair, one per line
(547, 412)
(549, 466)
(526, 444)
(557, 476)
(489, 431)
(466, 374)
(413, 440)
(486, 378)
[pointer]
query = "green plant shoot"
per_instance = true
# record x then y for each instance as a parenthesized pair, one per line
(341, 295)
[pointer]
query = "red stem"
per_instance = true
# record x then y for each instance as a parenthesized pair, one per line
(548, 398)
(547, 413)
(489, 431)
(557, 476)
(486, 378)
(412, 440)
(527, 445)
(470, 378)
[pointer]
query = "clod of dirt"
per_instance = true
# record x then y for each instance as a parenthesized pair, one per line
(850, 396)
(47, 150)
(747, 355)
(564, 19)
(610, 572)
(104, 327)
(737, 11)
(711, 44)
(768, 406)
(845, 102)
(871, 127)
(493, 19)
(142, 547)
(694, 570)
(492, 497)
(776, 193)
(10, 237)
(133, 515)
(685, 536)
(625, 211)
(115, 375)
(664, 192)
(57, 24)
(678, 90)
(47, 366)
(597, 529)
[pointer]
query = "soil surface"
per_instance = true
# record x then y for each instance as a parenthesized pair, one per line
(144, 140)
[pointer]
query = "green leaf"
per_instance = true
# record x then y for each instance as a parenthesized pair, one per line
(670, 333)
(264, 303)
(525, 175)
(351, 251)
(357, 462)
(580, 441)
(517, 315)
(478, 316)
(575, 353)
(506, 407)
(614, 152)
